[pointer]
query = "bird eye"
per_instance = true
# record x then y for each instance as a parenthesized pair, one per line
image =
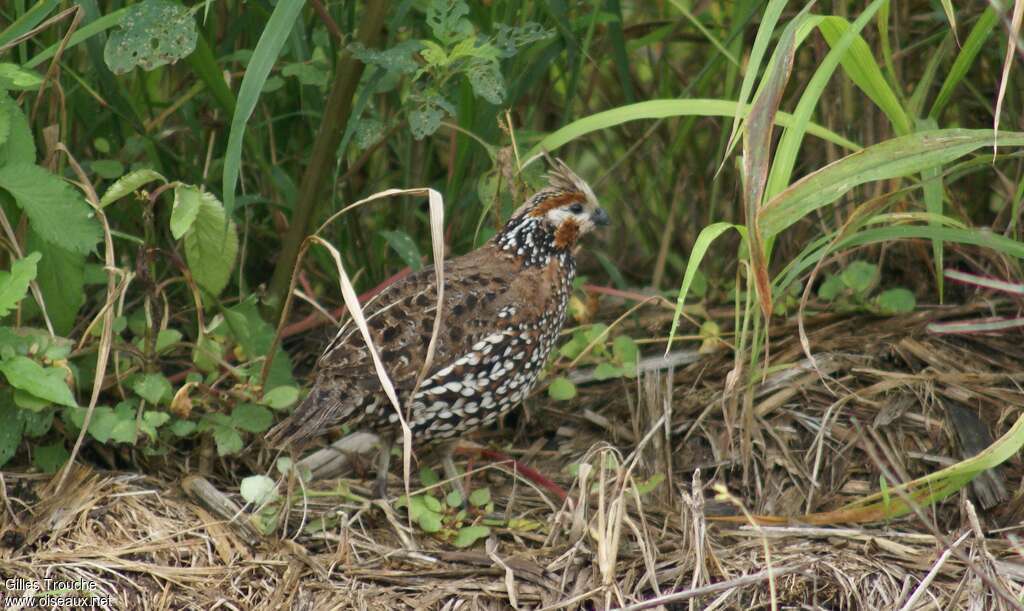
(576, 208)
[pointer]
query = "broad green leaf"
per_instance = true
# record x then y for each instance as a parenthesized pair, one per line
(186, 207)
(281, 397)
(406, 248)
(607, 371)
(625, 349)
(258, 489)
(830, 288)
(896, 301)
(19, 146)
(14, 77)
(432, 503)
(860, 276)
(153, 387)
(61, 279)
(453, 498)
(10, 428)
(447, 20)
(485, 78)
(255, 336)
(227, 439)
(36, 423)
(153, 33)
(56, 211)
(183, 428)
(211, 245)
(251, 417)
(428, 477)
(128, 184)
(50, 458)
(561, 389)
(468, 535)
(480, 497)
(29, 402)
(429, 521)
(902, 156)
(14, 284)
(46, 383)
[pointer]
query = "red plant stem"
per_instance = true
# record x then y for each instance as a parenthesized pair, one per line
(528, 472)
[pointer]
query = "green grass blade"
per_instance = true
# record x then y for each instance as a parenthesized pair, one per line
(700, 248)
(789, 145)
(24, 24)
(761, 40)
(859, 64)
(893, 158)
(206, 68)
(279, 26)
(965, 59)
(83, 33)
(660, 109)
(704, 31)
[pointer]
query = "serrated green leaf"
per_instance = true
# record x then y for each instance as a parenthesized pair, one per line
(860, 276)
(255, 336)
(447, 21)
(182, 428)
(153, 387)
(485, 78)
(129, 183)
(211, 246)
(468, 535)
(480, 497)
(56, 211)
(227, 439)
(186, 207)
(124, 430)
(19, 146)
(46, 383)
(258, 489)
(155, 419)
(896, 301)
(14, 284)
(51, 457)
(281, 397)
(153, 33)
(251, 417)
(561, 389)
(61, 279)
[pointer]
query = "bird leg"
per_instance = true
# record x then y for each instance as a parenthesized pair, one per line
(383, 465)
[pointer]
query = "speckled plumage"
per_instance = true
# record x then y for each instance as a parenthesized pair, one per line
(504, 305)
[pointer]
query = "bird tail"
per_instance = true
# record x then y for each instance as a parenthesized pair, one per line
(301, 425)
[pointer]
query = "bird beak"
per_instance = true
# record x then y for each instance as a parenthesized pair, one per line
(600, 217)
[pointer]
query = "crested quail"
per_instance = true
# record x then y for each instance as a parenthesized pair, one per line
(504, 305)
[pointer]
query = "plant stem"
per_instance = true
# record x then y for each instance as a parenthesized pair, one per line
(322, 158)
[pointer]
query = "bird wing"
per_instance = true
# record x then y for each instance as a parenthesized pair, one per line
(479, 288)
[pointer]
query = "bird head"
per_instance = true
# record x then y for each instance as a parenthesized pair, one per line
(566, 206)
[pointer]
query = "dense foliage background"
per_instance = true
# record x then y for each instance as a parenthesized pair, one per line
(161, 164)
